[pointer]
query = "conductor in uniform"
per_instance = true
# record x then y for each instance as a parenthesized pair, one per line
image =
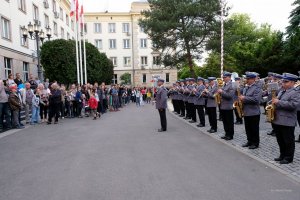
(251, 108)
(286, 118)
(161, 104)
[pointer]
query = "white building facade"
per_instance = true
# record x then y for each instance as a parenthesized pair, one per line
(125, 43)
(18, 55)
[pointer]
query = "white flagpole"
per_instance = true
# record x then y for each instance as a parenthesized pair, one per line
(222, 36)
(84, 53)
(77, 59)
(80, 57)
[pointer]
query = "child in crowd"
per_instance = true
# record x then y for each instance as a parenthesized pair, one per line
(35, 110)
(93, 104)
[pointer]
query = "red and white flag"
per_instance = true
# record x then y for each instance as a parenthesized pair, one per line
(73, 2)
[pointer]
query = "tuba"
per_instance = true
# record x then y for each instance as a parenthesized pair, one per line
(270, 108)
(217, 96)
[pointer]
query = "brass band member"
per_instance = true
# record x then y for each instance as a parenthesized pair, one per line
(286, 118)
(238, 119)
(211, 105)
(185, 99)
(251, 110)
(226, 107)
(200, 101)
(191, 98)
(181, 98)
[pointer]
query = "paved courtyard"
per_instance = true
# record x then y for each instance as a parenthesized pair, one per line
(268, 149)
(123, 157)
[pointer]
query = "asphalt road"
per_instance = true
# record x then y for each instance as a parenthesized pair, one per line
(122, 157)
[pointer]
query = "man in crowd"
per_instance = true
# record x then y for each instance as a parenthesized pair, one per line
(4, 108)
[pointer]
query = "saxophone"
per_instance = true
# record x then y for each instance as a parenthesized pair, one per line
(238, 104)
(217, 95)
(270, 108)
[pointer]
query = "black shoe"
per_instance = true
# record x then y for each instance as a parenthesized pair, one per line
(278, 159)
(298, 140)
(200, 125)
(161, 130)
(253, 147)
(212, 131)
(181, 115)
(246, 144)
(192, 121)
(271, 133)
(238, 123)
(228, 138)
(284, 161)
(209, 130)
(224, 137)
(185, 118)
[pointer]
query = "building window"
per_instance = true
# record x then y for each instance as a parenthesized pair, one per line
(126, 44)
(24, 42)
(112, 43)
(67, 20)
(167, 77)
(62, 31)
(143, 43)
(97, 28)
(5, 26)
(55, 28)
(127, 61)
(47, 23)
(144, 78)
(111, 27)
(35, 12)
(25, 71)
(98, 44)
(142, 29)
(156, 60)
(114, 61)
(72, 24)
(61, 14)
(7, 67)
(53, 5)
(126, 27)
(115, 79)
(22, 5)
(85, 27)
(144, 60)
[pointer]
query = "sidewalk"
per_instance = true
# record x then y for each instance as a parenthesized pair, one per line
(267, 151)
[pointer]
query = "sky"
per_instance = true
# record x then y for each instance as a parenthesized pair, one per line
(274, 12)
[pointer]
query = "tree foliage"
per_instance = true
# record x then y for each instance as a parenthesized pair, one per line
(58, 58)
(126, 78)
(180, 28)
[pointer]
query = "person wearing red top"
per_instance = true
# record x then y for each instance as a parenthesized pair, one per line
(93, 104)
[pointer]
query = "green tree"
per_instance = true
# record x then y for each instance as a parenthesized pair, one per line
(58, 58)
(126, 78)
(180, 28)
(247, 46)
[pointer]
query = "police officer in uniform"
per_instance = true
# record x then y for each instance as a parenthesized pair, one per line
(191, 98)
(211, 104)
(298, 110)
(180, 98)
(239, 120)
(185, 99)
(251, 108)
(161, 104)
(286, 118)
(226, 107)
(200, 101)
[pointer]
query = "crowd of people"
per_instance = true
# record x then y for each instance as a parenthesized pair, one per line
(47, 102)
(243, 97)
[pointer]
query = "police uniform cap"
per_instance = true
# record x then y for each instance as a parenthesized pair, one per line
(251, 75)
(200, 79)
(211, 78)
(278, 76)
(227, 74)
(289, 77)
(160, 80)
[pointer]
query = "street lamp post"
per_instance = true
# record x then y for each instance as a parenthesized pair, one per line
(38, 35)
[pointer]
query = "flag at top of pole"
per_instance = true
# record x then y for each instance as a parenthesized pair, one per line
(73, 2)
(77, 8)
